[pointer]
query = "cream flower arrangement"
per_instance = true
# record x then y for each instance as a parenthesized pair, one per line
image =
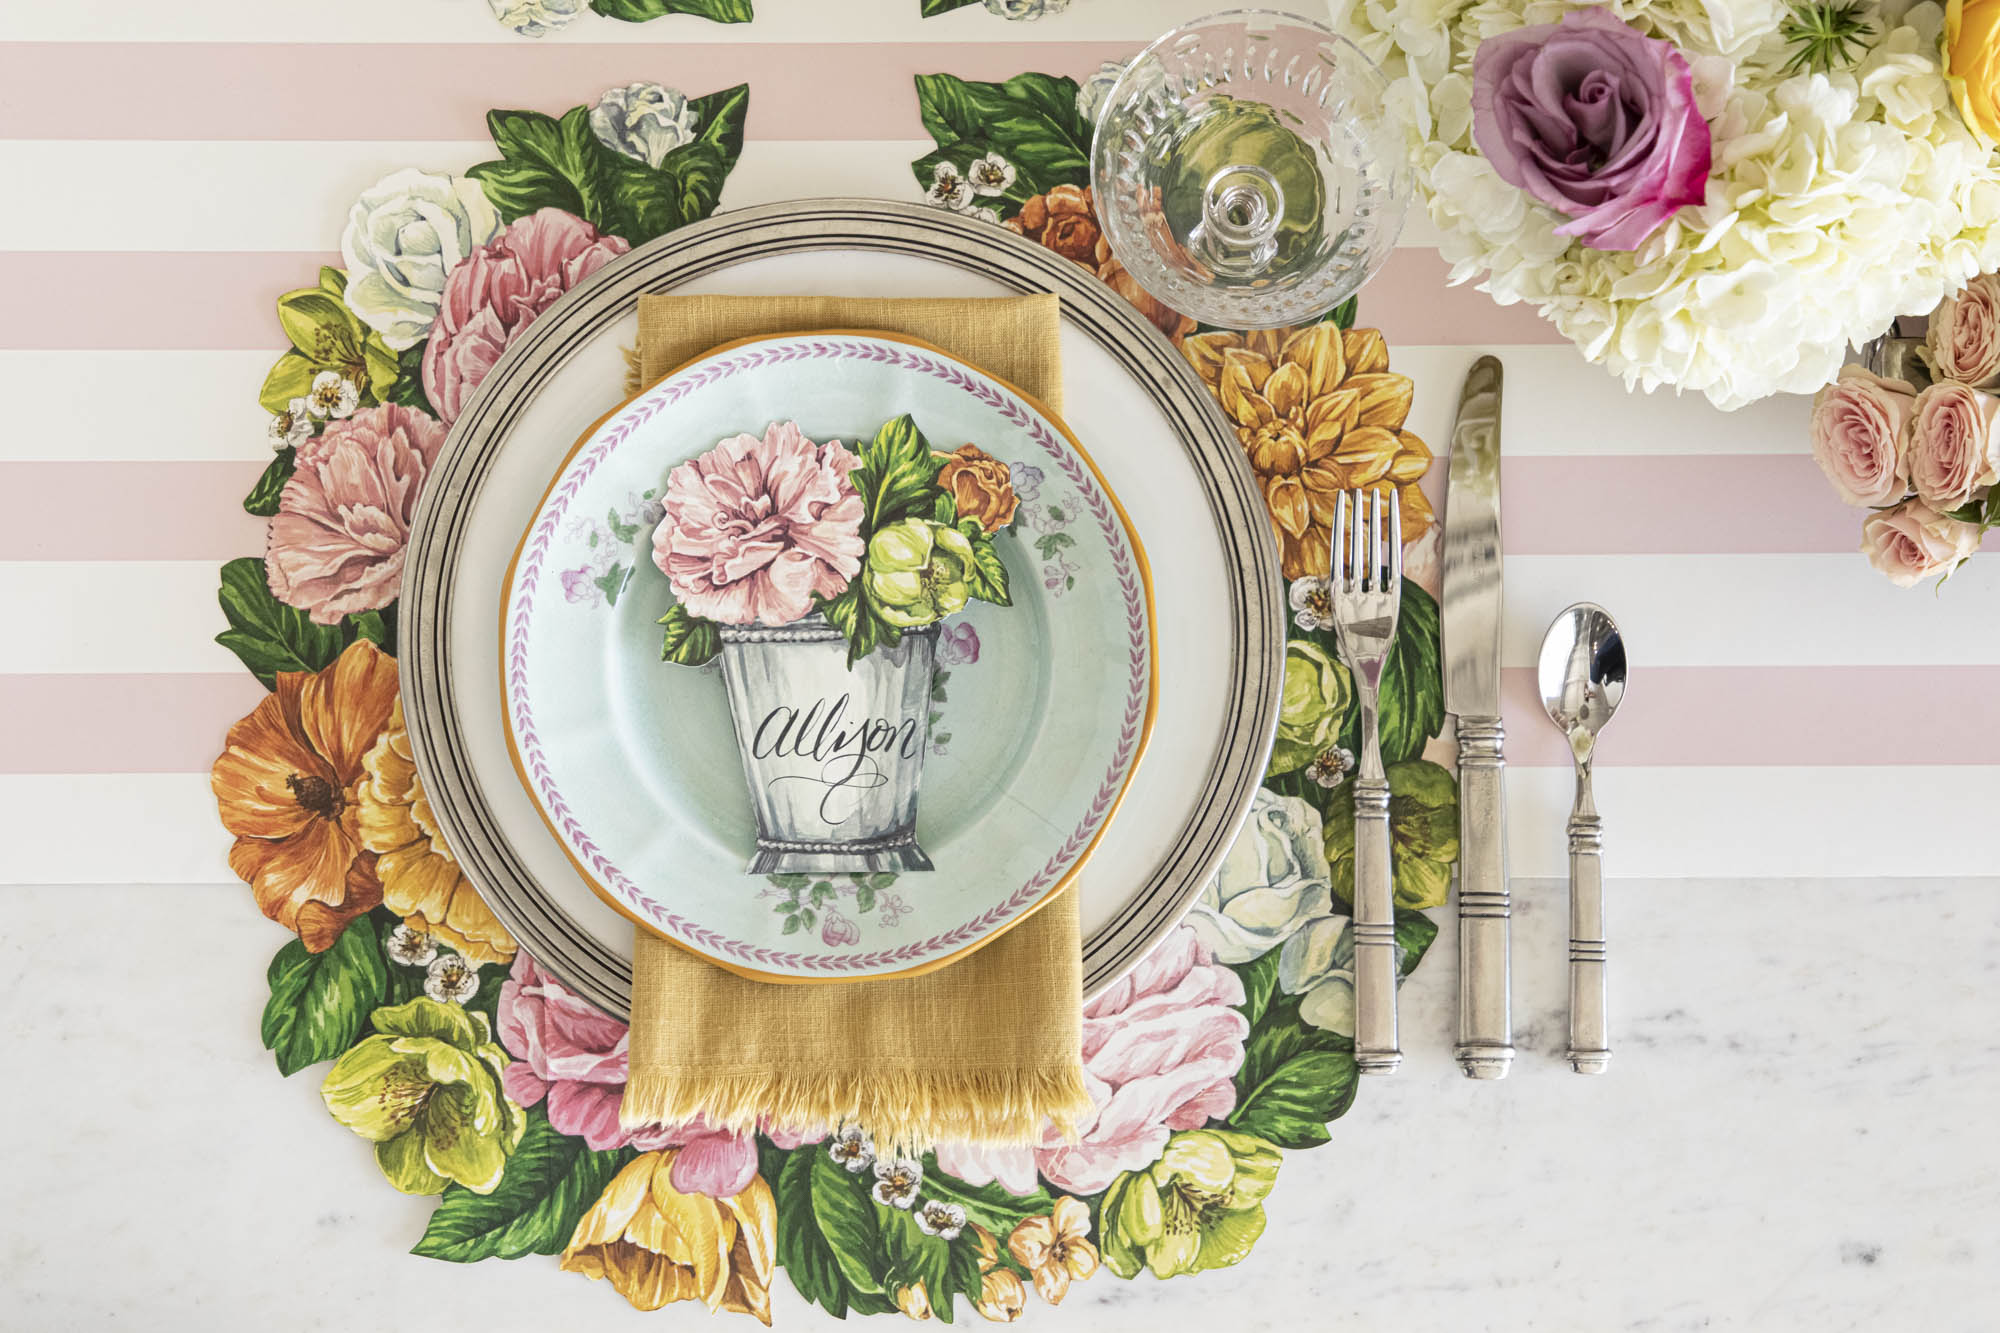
(1719, 196)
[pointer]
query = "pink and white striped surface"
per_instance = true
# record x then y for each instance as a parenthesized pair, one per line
(172, 169)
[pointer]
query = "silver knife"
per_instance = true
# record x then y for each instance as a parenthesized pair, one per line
(1470, 617)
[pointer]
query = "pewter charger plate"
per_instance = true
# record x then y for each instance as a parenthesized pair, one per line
(1138, 407)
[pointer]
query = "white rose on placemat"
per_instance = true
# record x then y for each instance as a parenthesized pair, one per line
(1951, 458)
(1964, 334)
(1857, 435)
(644, 121)
(1026, 9)
(404, 236)
(1274, 878)
(1090, 94)
(1913, 542)
(536, 18)
(1318, 966)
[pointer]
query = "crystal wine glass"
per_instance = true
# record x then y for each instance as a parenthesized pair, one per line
(1247, 169)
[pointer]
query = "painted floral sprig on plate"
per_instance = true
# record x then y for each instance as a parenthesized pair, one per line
(890, 537)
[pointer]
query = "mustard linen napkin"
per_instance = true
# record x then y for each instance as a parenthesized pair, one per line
(981, 1050)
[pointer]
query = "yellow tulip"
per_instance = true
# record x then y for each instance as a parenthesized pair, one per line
(1972, 45)
(657, 1246)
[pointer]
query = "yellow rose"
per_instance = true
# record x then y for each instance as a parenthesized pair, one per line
(1972, 46)
(657, 1245)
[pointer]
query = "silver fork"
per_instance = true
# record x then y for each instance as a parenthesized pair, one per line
(1367, 590)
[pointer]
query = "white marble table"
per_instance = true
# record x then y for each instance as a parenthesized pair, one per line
(1793, 1136)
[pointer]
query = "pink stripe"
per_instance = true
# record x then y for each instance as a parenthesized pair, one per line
(127, 511)
(1674, 716)
(1666, 504)
(223, 301)
(1833, 717)
(799, 90)
(120, 724)
(1733, 504)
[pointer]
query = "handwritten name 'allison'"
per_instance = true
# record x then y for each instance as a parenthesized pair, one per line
(822, 732)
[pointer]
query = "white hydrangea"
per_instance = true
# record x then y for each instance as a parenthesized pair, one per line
(1835, 201)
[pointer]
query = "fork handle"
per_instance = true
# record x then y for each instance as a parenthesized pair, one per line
(1589, 1032)
(1376, 1049)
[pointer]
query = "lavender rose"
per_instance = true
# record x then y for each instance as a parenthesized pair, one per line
(1964, 334)
(1594, 119)
(1857, 435)
(1913, 542)
(1952, 450)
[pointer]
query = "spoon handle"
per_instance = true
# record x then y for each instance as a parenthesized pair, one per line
(1377, 1049)
(1589, 1036)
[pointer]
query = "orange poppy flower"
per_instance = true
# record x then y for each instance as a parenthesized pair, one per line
(286, 784)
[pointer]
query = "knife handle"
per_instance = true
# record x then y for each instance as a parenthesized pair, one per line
(1376, 1048)
(1485, 908)
(1589, 1033)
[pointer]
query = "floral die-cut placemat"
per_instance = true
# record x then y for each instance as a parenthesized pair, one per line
(479, 1079)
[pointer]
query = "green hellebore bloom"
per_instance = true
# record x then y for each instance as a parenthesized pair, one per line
(1200, 1206)
(1423, 834)
(425, 1089)
(918, 572)
(1317, 693)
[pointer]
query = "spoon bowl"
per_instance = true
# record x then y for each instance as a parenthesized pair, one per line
(1582, 672)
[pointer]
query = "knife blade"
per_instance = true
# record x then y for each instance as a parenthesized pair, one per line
(1470, 621)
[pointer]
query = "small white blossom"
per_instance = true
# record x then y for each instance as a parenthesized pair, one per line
(332, 396)
(896, 1182)
(451, 980)
(536, 18)
(1331, 767)
(291, 427)
(853, 1149)
(1312, 604)
(940, 1219)
(990, 175)
(949, 188)
(412, 947)
(644, 121)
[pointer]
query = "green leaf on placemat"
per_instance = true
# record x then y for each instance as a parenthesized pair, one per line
(1031, 120)
(1412, 709)
(1343, 314)
(1295, 1077)
(546, 163)
(408, 390)
(828, 1240)
(932, 8)
(992, 1205)
(689, 640)
(263, 498)
(1414, 933)
(914, 1258)
(639, 11)
(266, 634)
(550, 1182)
(321, 1001)
(378, 627)
(1260, 984)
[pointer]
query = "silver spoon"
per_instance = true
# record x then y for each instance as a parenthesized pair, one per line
(1582, 678)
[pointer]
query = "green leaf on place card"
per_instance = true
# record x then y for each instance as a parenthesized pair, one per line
(1295, 1077)
(988, 580)
(1414, 933)
(320, 1002)
(932, 8)
(641, 11)
(549, 163)
(855, 616)
(263, 498)
(1031, 120)
(1412, 695)
(897, 478)
(267, 635)
(550, 1182)
(690, 640)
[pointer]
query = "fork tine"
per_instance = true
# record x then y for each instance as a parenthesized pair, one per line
(1395, 543)
(1375, 536)
(1357, 575)
(1335, 569)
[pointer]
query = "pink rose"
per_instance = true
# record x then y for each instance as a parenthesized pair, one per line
(574, 1055)
(1964, 334)
(753, 529)
(497, 292)
(1952, 449)
(1857, 435)
(336, 543)
(1594, 119)
(1912, 542)
(1160, 1049)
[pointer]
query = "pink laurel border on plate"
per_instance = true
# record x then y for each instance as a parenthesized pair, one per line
(528, 580)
